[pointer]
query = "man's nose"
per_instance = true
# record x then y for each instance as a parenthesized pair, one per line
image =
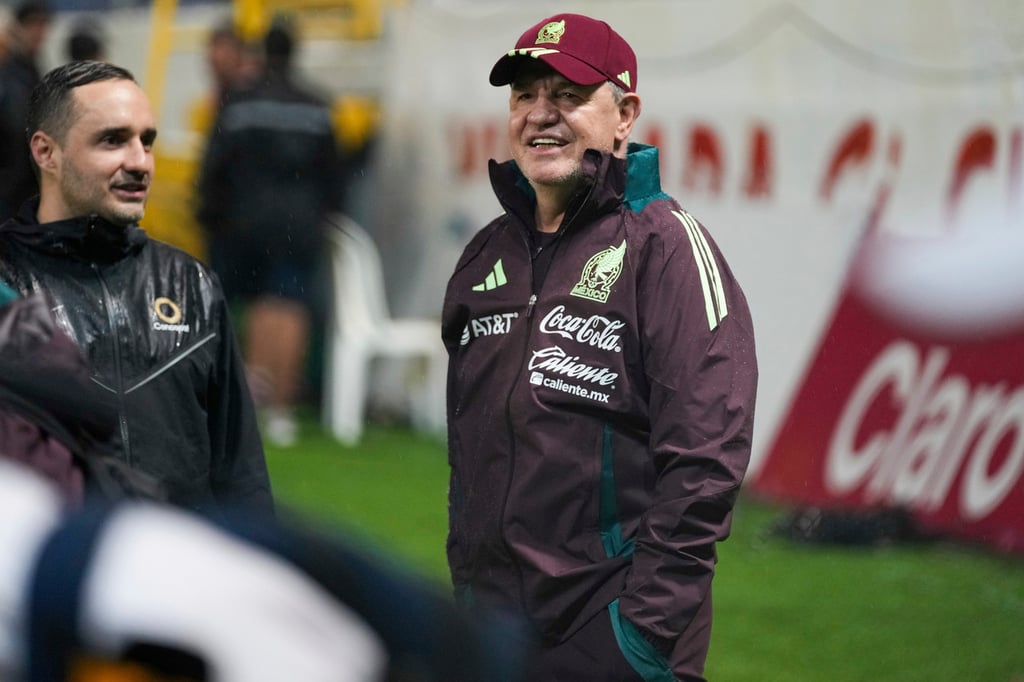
(542, 110)
(139, 156)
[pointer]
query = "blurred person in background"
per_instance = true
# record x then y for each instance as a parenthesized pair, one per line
(151, 320)
(231, 64)
(598, 437)
(270, 175)
(86, 41)
(19, 73)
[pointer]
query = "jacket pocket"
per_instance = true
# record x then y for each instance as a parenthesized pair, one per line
(641, 654)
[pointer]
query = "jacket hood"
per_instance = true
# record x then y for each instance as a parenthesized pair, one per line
(87, 238)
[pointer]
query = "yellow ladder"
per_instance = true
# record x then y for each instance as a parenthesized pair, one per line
(345, 19)
(169, 210)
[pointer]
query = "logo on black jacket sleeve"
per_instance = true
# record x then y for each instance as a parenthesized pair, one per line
(168, 314)
(600, 273)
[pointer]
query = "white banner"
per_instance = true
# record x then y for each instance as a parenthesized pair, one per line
(782, 125)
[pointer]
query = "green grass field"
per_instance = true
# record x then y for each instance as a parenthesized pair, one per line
(783, 611)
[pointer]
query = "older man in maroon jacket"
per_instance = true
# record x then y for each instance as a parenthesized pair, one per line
(602, 379)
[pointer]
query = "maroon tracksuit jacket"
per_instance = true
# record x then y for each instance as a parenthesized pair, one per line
(600, 408)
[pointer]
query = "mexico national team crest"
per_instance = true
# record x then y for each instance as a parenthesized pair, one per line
(551, 32)
(600, 273)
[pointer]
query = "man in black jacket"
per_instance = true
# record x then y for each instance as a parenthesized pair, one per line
(270, 176)
(150, 319)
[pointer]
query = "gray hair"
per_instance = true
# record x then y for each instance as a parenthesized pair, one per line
(618, 93)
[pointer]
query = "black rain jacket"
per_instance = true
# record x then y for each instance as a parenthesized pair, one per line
(153, 325)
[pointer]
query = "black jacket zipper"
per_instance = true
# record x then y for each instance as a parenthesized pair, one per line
(119, 387)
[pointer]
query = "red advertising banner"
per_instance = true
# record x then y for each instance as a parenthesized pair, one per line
(914, 397)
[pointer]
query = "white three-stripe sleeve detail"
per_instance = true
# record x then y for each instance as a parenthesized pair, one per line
(709, 303)
(716, 277)
(705, 270)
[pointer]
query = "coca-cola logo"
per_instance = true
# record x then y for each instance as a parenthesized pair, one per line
(596, 330)
(944, 426)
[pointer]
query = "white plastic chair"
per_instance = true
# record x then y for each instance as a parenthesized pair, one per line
(361, 329)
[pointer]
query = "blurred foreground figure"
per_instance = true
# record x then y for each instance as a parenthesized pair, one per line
(99, 583)
(270, 176)
(150, 319)
(140, 591)
(53, 417)
(602, 379)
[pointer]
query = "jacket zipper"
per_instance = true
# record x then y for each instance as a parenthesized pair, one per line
(530, 307)
(511, 431)
(108, 304)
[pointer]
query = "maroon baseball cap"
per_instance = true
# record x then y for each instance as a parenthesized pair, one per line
(584, 50)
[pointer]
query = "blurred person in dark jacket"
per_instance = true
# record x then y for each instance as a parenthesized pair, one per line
(231, 64)
(19, 73)
(602, 379)
(269, 177)
(86, 41)
(151, 320)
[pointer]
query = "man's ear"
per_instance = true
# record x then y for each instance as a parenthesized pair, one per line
(629, 112)
(44, 151)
